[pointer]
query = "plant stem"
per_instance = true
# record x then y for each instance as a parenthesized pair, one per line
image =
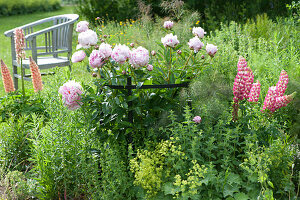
(170, 65)
(22, 78)
(184, 66)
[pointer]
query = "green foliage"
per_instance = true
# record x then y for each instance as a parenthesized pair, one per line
(15, 143)
(64, 164)
(212, 12)
(17, 105)
(16, 185)
(122, 9)
(214, 162)
(27, 6)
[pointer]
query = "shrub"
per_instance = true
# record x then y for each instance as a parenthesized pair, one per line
(24, 6)
(212, 12)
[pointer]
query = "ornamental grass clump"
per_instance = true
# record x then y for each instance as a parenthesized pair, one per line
(6, 78)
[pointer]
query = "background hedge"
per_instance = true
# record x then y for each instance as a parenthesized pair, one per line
(16, 7)
(213, 12)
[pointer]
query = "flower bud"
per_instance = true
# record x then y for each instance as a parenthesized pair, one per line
(202, 56)
(149, 67)
(123, 72)
(179, 52)
(153, 53)
(197, 119)
(132, 44)
(94, 74)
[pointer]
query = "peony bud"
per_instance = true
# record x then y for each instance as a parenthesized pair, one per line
(149, 67)
(197, 119)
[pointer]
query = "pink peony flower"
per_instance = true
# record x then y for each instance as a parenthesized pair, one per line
(36, 75)
(82, 26)
(6, 78)
(195, 44)
(282, 83)
(96, 59)
(149, 67)
(87, 39)
(78, 56)
(168, 24)
(105, 50)
(19, 44)
(198, 31)
(243, 81)
(139, 57)
(170, 40)
(254, 92)
(120, 53)
(197, 119)
(211, 50)
(71, 92)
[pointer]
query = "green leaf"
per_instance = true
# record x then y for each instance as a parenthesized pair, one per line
(241, 196)
(229, 189)
(234, 178)
(270, 184)
(169, 188)
(139, 84)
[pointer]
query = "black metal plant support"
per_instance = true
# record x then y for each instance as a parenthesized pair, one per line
(129, 87)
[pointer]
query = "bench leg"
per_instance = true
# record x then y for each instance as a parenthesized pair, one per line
(15, 71)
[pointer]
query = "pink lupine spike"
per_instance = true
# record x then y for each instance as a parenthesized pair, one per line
(282, 83)
(270, 100)
(6, 77)
(243, 81)
(36, 76)
(284, 100)
(254, 92)
(19, 44)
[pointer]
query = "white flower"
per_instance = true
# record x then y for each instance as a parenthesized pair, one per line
(120, 53)
(96, 59)
(87, 39)
(195, 44)
(168, 24)
(139, 57)
(170, 40)
(78, 56)
(82, 26)
(211, 49)
(198, 31)
(105, 50)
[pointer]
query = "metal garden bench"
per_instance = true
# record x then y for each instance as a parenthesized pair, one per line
(46, 44)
